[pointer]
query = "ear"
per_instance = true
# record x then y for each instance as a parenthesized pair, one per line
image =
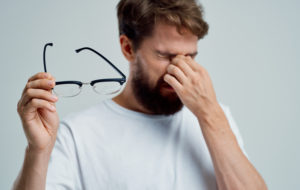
(127, 48)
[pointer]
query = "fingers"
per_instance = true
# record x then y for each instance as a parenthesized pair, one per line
(45, 84)
(182, 68)
(41, 75)
(40, 94)
(36, 103)
(177, 72)
(193, 64)
(181, 63)
(172, 81)
(189, 62)
(37, 93)
(38, 76)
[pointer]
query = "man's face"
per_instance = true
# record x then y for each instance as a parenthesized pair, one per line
(152, 58)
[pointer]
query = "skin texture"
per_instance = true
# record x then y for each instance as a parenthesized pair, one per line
(40, 123)
(154, 55)
(150, 97)
(170, 54)
(166, 54)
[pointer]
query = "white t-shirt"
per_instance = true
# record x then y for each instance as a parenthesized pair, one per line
(109, 147)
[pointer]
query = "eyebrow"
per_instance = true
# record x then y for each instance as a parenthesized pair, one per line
(168, 54)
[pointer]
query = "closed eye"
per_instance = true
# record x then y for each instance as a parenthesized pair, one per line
(165, 55)
(171, 56)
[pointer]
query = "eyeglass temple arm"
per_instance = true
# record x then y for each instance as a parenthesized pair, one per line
(44, 55)
(111, 64)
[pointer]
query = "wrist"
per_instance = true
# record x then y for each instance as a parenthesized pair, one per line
(38, 152)
(37, 160)
(210, 112)
(34, 170)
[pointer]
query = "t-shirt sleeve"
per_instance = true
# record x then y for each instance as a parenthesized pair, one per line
(234, 128)
(62, 171)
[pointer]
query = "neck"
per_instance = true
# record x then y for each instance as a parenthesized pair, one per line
(127, 100)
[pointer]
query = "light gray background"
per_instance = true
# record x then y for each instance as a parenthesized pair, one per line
(251, 53)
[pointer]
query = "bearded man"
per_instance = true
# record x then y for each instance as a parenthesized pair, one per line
(165, 130)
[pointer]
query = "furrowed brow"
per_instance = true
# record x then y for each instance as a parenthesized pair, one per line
(168, 54)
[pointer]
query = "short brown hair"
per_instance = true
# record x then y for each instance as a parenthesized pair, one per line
(138, 17)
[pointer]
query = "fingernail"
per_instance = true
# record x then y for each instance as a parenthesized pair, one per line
(50, 83)
(54, 97)
(45, 75)
(166, 75)
(52, 108)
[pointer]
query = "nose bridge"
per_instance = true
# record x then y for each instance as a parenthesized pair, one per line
(172, 56)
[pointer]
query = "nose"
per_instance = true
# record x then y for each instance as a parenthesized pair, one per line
(171, 57)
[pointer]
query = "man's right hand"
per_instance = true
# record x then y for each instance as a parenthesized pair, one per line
(38, 113)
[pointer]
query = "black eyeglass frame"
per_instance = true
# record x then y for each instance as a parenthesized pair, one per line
(121, 81)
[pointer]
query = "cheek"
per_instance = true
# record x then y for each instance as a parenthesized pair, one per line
(155, 67)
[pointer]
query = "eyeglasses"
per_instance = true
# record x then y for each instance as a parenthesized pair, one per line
(105, 86)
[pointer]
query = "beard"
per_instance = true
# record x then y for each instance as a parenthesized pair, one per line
(150, 97)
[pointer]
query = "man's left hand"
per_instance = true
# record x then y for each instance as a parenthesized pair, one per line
(192, 84)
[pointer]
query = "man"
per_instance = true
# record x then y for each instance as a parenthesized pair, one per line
(166, 130)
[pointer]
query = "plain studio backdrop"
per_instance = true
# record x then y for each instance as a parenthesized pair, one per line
(251, 53)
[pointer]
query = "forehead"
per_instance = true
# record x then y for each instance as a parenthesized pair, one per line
(167, 38)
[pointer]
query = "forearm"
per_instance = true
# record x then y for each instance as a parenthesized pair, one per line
(34, 171)
(232, 168)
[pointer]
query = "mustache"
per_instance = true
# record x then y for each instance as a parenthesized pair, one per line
(161, 82)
